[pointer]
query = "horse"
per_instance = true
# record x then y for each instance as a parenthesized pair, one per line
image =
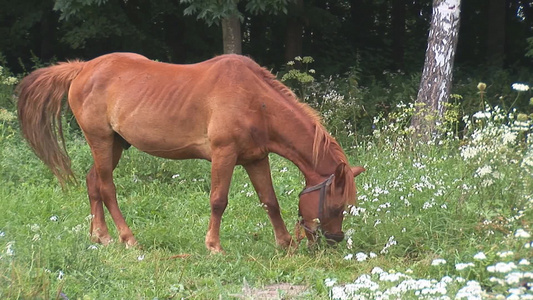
(227, 110)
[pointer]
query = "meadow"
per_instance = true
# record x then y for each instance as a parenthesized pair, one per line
(450, 218)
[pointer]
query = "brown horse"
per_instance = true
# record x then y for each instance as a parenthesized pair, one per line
(227, 110)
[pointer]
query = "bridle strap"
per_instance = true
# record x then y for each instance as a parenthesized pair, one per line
(322, 187)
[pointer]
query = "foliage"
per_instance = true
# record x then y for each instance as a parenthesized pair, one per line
(70, 8)
(212, 11)
(7, 83)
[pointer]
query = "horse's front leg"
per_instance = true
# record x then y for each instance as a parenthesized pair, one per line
(259, 173)
(222, 165)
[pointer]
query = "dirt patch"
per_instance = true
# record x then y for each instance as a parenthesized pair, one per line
(278, 291)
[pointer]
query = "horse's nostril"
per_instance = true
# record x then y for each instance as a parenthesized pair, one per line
(334, 237)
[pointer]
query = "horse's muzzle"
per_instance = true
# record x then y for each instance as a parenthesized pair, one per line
(332, 238)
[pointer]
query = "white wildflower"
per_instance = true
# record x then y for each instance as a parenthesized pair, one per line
(524, 262)
(391, 242)
(462, 266)
(521, 233)
(54, 218)
(348, 257)
(60, 275)
(480, 256)
(392, 276)
(329, 282)
(438, 261)
(509, 137)
(487, 182)
(482, 115)
(361, 256)
(501, 267)
(520, 87)
(504, 254)
(483, 171)
(471, 291)
(140, 257)
(349, 243)
(356, 211)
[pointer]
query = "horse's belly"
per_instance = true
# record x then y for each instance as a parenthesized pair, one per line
(188, 152)
(168, 146)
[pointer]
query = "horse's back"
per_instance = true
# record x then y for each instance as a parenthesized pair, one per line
(174, 111)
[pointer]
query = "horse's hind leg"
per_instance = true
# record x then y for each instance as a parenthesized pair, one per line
(98, 231)
(106, 154)
(259, 173)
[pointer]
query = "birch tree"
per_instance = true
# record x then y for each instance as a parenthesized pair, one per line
(438, 66)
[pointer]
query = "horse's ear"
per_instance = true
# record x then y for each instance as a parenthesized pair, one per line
(357, 170)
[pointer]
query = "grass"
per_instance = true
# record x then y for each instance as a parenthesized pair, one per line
(417, 203)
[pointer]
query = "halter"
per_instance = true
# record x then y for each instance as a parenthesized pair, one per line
(330, 238)
(322, 187)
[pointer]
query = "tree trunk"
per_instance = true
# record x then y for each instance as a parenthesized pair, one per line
(495, 41)
(398, 33)
(231, 35)
(293, 34)
(437, 73)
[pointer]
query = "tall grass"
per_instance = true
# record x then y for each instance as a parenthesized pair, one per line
(426, 212)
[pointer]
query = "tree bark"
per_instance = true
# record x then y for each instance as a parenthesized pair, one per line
(495, 41)
(231, 35)
(294, 31)
(437, 73)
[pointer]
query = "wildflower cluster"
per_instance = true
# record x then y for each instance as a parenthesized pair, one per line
(402, 203)
(498, 138)
(512, 280)
(6, 79)
(380, 284)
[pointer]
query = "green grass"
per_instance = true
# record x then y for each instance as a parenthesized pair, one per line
(427, 198)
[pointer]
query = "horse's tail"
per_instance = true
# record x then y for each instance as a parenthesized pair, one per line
(40, 99)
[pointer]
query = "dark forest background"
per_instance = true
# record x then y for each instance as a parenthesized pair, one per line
(373, 35)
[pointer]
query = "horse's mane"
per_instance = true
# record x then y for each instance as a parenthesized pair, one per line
(323, 141)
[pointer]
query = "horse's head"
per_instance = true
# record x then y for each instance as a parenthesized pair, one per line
(322, 206)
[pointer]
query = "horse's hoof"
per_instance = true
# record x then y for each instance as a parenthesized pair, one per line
(129, 241)
(104, 240)
(215, 249)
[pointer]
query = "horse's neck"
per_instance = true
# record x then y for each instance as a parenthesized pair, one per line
(295, 141)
